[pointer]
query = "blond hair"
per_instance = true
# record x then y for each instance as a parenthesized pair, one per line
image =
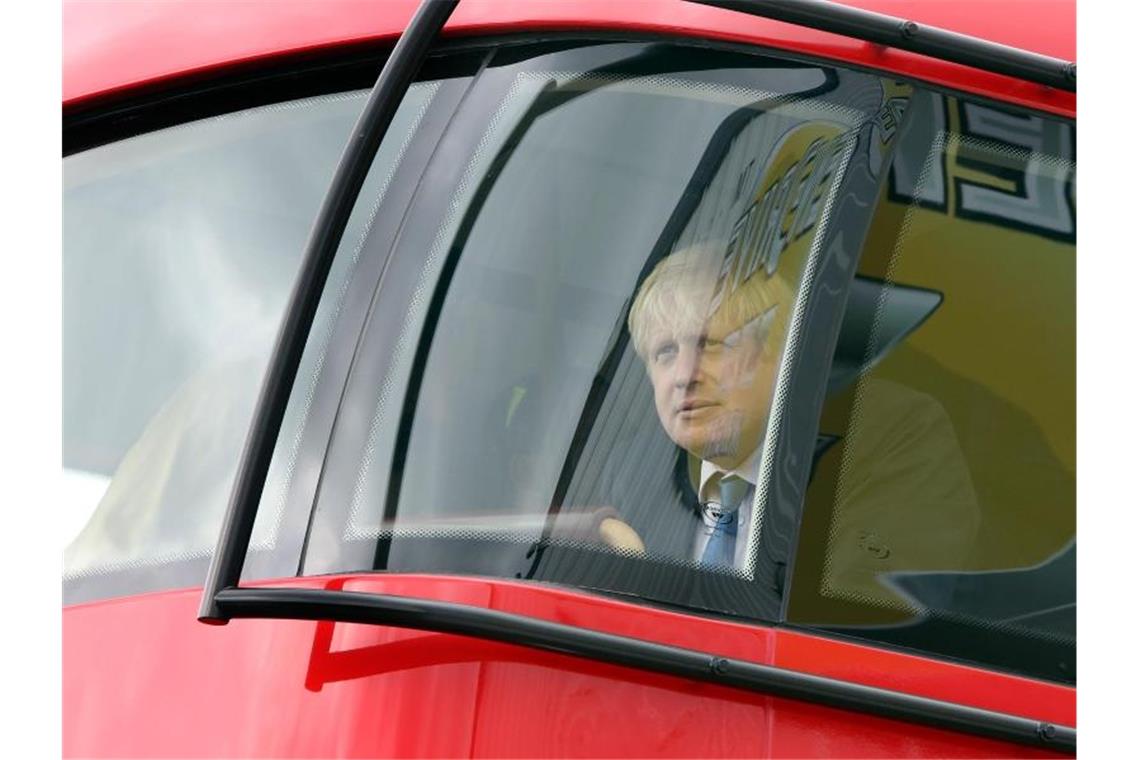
(686, 294)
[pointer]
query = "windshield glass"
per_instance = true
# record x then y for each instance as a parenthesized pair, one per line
(573, 368)
(180, 249)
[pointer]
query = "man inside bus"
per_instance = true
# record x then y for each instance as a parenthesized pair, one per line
(711, 354)
(711, 339)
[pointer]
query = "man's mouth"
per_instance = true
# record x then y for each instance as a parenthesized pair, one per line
(692, 405)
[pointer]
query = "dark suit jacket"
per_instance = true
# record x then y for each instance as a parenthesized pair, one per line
(906, 503)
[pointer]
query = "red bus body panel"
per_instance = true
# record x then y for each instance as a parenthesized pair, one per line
(111, 47)
(143, 679)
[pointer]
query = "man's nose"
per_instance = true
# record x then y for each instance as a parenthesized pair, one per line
(687, 369)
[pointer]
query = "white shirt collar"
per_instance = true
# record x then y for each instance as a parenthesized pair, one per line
(749, 469)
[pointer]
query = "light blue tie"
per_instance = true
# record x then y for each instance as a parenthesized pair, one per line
(721, 547)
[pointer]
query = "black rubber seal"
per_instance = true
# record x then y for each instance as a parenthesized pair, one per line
(479, 622)
(907, 35)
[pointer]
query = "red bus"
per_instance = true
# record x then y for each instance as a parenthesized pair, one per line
(569, 379)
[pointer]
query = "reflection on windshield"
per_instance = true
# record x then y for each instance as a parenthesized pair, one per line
(943, 516)
(180, 248)
(589, 355)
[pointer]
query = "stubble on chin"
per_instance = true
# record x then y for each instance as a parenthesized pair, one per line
(719, 440)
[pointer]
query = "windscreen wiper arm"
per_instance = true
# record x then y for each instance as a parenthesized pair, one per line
(479, 622)
(379, 110)
(900, 33)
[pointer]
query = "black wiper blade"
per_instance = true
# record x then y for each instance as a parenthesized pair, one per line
(395, 78)
(479, 622)
(908, 35)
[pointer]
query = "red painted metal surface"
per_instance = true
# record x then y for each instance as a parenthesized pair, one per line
(111, 47)
(295, 688)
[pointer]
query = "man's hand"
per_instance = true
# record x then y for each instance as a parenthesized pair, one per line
(620, 536)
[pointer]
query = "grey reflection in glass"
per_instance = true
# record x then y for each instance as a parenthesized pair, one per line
(180, 248)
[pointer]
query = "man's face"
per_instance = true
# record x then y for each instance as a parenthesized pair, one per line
(712, 394)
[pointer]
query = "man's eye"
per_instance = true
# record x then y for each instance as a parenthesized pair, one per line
(665, 353)
(706, 343)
